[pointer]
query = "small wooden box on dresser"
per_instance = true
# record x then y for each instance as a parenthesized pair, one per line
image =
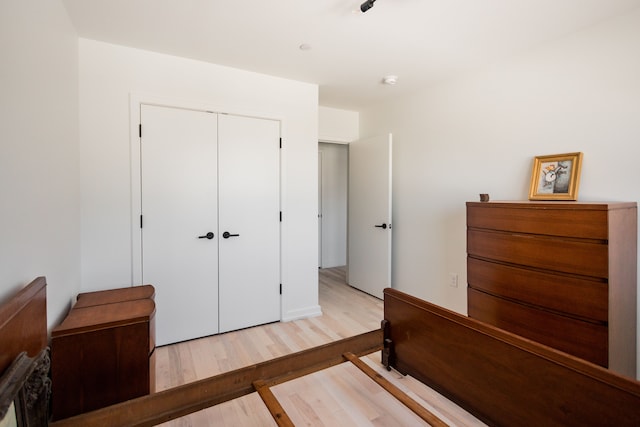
(560, 273)
(103, 351)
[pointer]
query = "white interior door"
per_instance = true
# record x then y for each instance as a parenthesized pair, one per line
(249, 210)
(369, 262)
(179, 204)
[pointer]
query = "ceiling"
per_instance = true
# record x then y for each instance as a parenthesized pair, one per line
(420, 41)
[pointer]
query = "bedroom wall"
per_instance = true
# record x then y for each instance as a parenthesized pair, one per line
(477, 133)
(109, 74)
(337, 125)
(39, 178)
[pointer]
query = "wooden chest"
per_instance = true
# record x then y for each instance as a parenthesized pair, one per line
(103, 351)
(562, 274)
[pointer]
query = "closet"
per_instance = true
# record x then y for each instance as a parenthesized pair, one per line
(210, 220)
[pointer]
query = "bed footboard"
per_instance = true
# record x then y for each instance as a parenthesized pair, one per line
(499, 377)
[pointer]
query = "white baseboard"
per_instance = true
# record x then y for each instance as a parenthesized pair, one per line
(302, 313)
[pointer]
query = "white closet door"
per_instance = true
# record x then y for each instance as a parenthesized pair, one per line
(249, 210)
(179, 204)
(370, 215)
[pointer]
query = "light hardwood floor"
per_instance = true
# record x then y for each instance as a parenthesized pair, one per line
(346, 312)
(338, 396)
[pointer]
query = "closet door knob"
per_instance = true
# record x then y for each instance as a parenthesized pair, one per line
(383, 226)
(226, 235)
(209, 236)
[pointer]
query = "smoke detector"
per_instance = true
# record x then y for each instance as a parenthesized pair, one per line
(390, 80)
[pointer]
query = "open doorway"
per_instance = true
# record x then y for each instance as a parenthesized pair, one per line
(333, 164)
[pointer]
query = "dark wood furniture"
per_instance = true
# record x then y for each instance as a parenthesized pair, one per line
(24, 357)
(103, 351)
(110, 296)
(23, 323)
(562, 274)
(182, 400)
(499, 377)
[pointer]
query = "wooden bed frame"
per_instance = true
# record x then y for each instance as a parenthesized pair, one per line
(502, 378)
(24, 357)
(499, 377)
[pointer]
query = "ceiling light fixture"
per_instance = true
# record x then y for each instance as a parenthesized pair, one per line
(390, 80)
(366, 5)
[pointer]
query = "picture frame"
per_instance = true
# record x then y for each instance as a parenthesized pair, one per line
(556, 177)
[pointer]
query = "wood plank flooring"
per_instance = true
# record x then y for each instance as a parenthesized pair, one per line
(339, 396)
(346, 312)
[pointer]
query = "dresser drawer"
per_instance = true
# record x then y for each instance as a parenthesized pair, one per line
(584, 258)
(582, 339)
(568, 294)
(544, 219)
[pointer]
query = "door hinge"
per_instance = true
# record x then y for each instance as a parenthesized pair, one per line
(280, 216)
(140, 130)
(140, 221)
(280, 288)
(280, 142)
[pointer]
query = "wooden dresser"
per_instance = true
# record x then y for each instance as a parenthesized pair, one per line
(560, 273)
(103, 351)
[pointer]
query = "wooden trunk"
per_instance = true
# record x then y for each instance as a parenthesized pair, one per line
(103, 351)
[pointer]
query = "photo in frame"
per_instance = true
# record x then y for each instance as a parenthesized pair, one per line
(555, 177)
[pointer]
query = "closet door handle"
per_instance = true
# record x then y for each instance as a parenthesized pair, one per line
(226, 235)
(209, 236)
(383, 226)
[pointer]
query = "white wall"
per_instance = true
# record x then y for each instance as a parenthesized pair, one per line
(108, 75)
(335, 125)
(334, 184)
(478, 133)
(39, 191)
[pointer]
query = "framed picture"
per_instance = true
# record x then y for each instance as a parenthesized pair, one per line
(555, 177)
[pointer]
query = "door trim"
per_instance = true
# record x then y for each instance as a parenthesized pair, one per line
(320, 212)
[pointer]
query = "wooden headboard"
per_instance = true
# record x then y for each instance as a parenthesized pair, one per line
(23, 323)
(500, 377)
(24, 357)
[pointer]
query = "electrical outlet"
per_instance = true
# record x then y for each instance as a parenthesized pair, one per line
(453, 280)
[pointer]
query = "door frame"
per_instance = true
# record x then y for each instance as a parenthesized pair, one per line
(320, 212)
(322, 162)
(136, 99)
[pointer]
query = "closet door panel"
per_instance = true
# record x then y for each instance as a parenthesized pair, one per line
(179, 204)
(249, 211)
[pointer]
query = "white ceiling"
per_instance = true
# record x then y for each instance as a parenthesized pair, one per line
(420, 41)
